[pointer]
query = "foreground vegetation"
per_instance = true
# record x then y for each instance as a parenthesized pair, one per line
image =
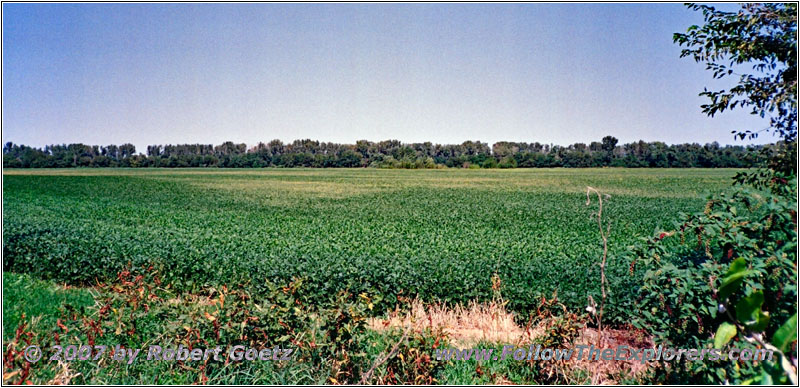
(332, 342)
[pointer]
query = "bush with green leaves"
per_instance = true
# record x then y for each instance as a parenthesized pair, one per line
(734, 266)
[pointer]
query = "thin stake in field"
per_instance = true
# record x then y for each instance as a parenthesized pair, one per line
(604, 236)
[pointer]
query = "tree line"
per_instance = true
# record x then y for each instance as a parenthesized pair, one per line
(389, 154)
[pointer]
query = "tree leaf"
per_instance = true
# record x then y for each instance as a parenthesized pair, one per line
(725, 332)
(786, 334)
(733, 278)
(737, 266)
(748, 309)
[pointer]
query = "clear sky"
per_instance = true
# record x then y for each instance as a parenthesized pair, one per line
(445, 73)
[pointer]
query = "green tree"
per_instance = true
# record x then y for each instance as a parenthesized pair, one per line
(763, 36)
(608, 145)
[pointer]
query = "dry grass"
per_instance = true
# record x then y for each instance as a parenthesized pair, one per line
(64, 375)
(465, 326)
(604, 372)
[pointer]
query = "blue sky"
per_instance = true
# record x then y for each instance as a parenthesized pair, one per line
(207, 73)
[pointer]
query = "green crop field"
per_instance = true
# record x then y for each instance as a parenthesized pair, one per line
(437, 234)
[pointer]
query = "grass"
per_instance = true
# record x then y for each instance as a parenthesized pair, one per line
(40, 301)
(465, 325)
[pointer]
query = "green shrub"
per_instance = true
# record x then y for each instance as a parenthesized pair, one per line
(687, 292)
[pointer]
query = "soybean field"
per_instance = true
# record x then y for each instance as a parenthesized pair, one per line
(440, 235)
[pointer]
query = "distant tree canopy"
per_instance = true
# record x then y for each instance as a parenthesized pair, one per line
(390, 154)
(757, 44)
